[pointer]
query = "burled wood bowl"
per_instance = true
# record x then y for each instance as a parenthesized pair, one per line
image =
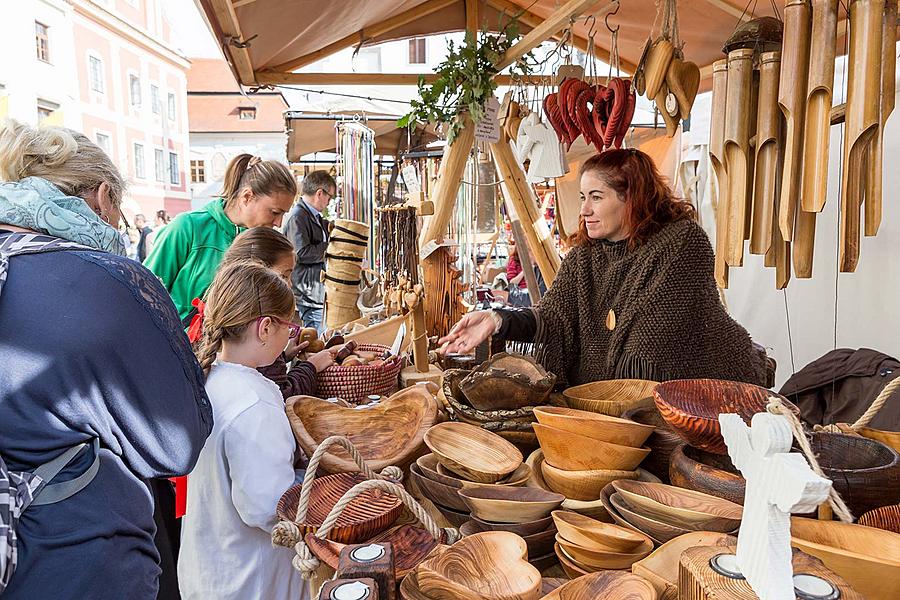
(595, 535)
(515, 479)
(428, 467)
(681, 507)
(490, 564)
(389, 433)
(605, 428)
(713, 474)
(571, 568)
(368, 514)
(443, 495)
(573, 452)
(886, 517)
(510, 504)
(609, 397)
(604, 585)
(598, 559)
(539, 543)
(581, 485)
(472, 452)
(868, 558)
(692, 407)
(507, 381)
(523, 529)
(865, 472)
(662, 442)
(660, 567)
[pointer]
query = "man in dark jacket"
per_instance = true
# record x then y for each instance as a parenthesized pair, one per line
(308, 231)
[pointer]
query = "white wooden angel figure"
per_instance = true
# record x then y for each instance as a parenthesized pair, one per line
(778, 483)
(538, 143)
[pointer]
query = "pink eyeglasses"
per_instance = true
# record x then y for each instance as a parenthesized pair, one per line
(293, 327)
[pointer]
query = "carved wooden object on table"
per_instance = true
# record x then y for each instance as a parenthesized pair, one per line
(605, 585)
(473, 452)
(677, 506)
(581, 485)
(571, 451)
(622, 513)
(372, 561)
(660, 567)
(605, 428)
(717, 159)
(662, 442)
(351, 588)
(593, 560)
(538, 544)
(443, 495)
(507, 381)
(609, 397)
(524, 529)
(515, 479)
(428, 467)
(886, 517)
(591, 533)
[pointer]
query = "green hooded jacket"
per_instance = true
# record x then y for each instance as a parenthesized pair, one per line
(187, 252)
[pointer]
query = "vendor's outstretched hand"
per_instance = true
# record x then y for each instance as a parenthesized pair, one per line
(472, 329)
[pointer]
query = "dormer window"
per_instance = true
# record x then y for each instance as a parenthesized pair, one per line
(247, 113)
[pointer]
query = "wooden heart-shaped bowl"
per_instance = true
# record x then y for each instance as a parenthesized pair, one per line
(581, 485)
(515, 479)
(438, 493)
(472, 452)
(598, 559)
(510, 504)
(605, 428)
(592, 534)
(609, 397)
(605, 585)
(428, 467)
(677, 506)
(570, 451)
(523, 529)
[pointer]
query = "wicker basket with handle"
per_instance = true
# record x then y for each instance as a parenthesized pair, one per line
(354, 384)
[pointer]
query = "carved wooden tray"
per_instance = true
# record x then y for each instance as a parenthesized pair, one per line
(507, 381)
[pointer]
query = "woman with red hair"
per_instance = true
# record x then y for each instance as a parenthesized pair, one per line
(635, 298)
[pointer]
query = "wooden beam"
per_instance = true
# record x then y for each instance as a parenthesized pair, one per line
(472, 24)
(556, 22)
(223, 10)
(727, 7)
(272, 78)
(373, 31)
(453, 165)
(240, 3)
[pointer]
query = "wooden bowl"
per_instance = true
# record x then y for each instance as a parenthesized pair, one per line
(472, 452)
(886, 517)
(523, 529)
(581, 485)
(592, 534)
(539, 543)
(890, 439)
(660, 567)
(507, 381)
(689, 509)
(368, 514)
(428, 467)
(594, 425)
(692, 407)
(868, 558)
(438, 493)
(510, 504)
(515, 479)
(572, 569)
(609, 397)
(389, 433)
(706, 472)
(573, 452)
(659, 531)
(455, 517)
(490, 564)
(604, 585)
(662, 442)
(599, 559)
(865, 472)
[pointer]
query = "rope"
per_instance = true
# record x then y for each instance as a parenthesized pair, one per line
(777, 407)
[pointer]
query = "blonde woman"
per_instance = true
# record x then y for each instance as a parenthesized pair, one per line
(94, 364)
(187, 251)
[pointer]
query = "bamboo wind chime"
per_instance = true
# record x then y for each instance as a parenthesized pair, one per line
(356, 172)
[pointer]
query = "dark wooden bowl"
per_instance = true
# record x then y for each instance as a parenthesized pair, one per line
(662, 442)
(886, 517)
(522, 529)
(538, 543)
(507, 381)
(692, 408)
(367, 515)
(438, 493)
(706, 472)
(455, 517)
(866, 473)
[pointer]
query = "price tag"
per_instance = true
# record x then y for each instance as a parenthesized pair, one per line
(411, 179)
(488, 128)
(429, 248)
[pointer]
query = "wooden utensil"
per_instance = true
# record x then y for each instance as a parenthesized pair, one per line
(567, 450)
(599, 559)
(581, 485)
(717, 158)
(657, 65)
(737, 149)
(861, 122)
(660, 567)
(683, 80)
(605, 428)
(792, 88)
(472, 452)
(595, 535)
(686, 508)
(605, 585)
(523, 529)
(510, 504)
(443, 495)
(706, 472)
(609, 397)
(765, 173)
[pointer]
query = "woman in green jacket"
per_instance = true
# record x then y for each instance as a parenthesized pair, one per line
(188, 250)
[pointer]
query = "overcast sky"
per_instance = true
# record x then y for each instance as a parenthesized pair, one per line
(192, 35)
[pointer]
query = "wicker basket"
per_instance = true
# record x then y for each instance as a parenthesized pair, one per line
(354, 384)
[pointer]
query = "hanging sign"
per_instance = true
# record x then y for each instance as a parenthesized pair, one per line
(411, 179)
(488, 128)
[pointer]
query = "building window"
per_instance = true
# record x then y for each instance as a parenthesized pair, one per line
(96, 68)
(42, 38)
(174, 171)
(134, 84)
(247, 113)
(198, 171)
(171, 107)
(417, 51)
(45, 109)
(159, 164)
(103, 142)
(139, 161)
(154, 100)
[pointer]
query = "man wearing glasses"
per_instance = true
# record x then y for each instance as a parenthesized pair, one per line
(308, 231)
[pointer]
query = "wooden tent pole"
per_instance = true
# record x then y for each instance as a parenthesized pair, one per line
(453, 164)
(534, 290)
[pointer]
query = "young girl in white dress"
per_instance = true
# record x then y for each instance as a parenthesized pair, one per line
(247, 462)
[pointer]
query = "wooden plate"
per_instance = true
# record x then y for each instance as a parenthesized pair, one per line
(437, 492)
(592, 534)
(609, 397)
(523, 529)
(581, 485)
(605, 585)
(598, 559)
(570, 451)
(660, 567)
(472, 452)
(510, 504)
(605, 428)
(678, 506)
(368, 514)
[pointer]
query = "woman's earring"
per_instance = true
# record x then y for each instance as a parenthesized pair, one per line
(105, 219)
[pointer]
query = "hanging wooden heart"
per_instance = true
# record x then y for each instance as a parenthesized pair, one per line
(584, 107)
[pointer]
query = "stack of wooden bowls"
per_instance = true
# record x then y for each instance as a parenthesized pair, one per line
(584, 451)
(664, 512)
(610, 397)
(584, 545)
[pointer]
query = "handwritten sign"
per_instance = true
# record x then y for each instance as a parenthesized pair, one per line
(488, 128)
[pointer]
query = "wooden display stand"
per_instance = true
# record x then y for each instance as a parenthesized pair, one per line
(421, 370)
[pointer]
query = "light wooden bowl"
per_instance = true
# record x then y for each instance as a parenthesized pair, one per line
(868, 558)
(539, 543)
(609, 397)
(572, 569)
(472, 452)
(677, 506)
(886, 517)
(522, 529)
(491, 564)
(601, 427)
(581, 485)
(389, 433)
(659, 531)
(428, 467)
(598, 559)
(515, 479)
(592, 534)
(605, 585)
(510, 504)
(660, 567)
(443, 495)
(573, 452)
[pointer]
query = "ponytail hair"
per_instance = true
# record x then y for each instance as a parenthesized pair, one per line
(241, 292)
(263, 177)
(263, 244)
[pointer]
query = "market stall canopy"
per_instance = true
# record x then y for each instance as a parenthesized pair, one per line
(314, 132)
(265, 38)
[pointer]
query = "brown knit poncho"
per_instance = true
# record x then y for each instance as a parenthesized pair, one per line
(669, 321)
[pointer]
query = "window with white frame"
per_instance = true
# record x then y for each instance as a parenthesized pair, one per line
(154, 100)
(174, 171)
(139, 161)
(171, 107)
(159, 164)
(45, 108)
(96, 73)
(417, 54)
(42, 40)
(247, 113)
(134, 85)
(198, 171)
(104, 143)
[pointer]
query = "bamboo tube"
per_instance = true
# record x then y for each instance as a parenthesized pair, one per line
(803, 243)
(792, 102)
(888, 98)
(818, 106)
(765, 174)
(737, 144)
(751, 151)
(717, 158)
(779, 254)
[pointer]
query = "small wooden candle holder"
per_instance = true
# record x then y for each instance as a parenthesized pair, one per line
(374, 561)
(349, 589)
